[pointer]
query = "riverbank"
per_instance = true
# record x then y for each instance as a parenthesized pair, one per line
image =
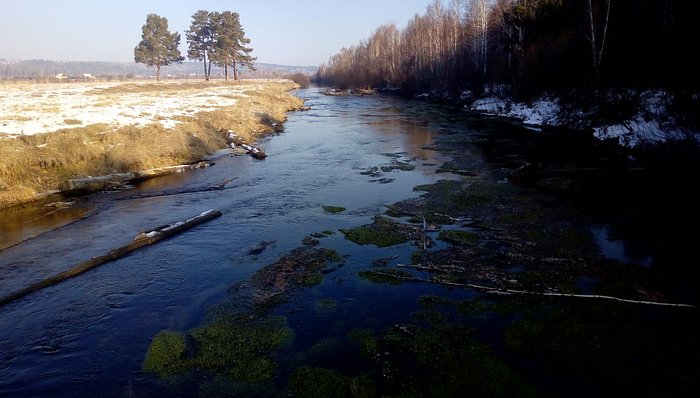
(50, 133)
(626, 117)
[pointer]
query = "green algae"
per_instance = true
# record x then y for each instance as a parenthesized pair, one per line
(310, 241)
(314, 382)
(458, 238)
(167, 354)
(390, 276)
(445, 361)
(382, 233)
(430, 301)
(238, 349)
(325, 306)
(598, 339)
(333, 209)
(365, 340)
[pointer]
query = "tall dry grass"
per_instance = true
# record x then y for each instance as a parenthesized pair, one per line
(34, 164)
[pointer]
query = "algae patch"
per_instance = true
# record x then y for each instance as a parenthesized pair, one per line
(384, 232)
(333, 209)
(238, 348)
(167, 354)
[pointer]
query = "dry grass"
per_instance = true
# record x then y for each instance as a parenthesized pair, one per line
(32, 164)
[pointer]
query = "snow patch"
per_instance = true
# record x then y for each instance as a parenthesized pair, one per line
(42, 108)
(651, 125)
(543, 111)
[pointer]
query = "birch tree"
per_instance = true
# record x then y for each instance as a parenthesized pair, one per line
(478, 25)
(597, 34)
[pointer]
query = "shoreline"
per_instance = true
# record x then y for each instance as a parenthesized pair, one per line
(141, 129)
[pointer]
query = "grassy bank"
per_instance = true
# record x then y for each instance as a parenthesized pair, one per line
(33, 164)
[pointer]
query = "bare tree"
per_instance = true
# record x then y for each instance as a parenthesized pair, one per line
(597, 35)
(478, 26)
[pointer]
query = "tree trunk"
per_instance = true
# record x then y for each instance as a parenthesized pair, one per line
(141, 240)
(158, 72)
(206, 74)
(597, 46)
(225, 71)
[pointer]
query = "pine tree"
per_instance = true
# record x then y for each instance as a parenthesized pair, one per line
(200, 38)
(158, 47)
(230, 48)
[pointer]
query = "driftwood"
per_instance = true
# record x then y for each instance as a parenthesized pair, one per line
(496, 290)
(239, 146)
(121, 180)
(142, 239)
(216, 187)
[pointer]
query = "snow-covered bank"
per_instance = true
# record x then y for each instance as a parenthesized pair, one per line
(27, 109)
(652, 124)
(542, 112)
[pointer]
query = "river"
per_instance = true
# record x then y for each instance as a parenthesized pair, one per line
(88, 336)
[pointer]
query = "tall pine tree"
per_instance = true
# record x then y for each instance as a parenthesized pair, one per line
(230, 48)
(200, 38)
(158, 47)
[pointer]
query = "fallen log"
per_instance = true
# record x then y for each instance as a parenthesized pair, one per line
(501, 291)
(142, 239)
(97, 183)
(161, 171)
(120, 180)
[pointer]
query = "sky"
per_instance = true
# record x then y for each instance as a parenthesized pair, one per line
(285, 32)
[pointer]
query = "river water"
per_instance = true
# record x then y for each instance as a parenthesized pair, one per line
(88, 336)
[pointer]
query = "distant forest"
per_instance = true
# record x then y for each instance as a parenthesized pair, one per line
(530, 47)
(44, 70)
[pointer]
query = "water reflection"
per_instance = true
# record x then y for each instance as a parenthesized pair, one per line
(20, 223)
(617, 249)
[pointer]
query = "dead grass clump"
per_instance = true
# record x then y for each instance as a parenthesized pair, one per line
(18, 194)
(134, 148)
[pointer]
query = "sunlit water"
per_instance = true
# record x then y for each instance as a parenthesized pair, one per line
(87, 336)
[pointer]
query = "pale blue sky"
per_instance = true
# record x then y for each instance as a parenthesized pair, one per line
(301, 32)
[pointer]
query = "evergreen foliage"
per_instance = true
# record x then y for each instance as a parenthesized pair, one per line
(200, 38)
(158, 47)
(219, 37)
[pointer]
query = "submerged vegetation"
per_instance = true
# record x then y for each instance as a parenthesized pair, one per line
(333, 209)
(237, 348)
(488, 284)
(236, 345)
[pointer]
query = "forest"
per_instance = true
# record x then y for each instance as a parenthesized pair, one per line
(581, 50)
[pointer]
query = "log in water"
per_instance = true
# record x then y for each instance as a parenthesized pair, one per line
(141, 240)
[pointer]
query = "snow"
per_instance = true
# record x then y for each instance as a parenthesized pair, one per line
(541, 112)
(651, 125)
(42, 108)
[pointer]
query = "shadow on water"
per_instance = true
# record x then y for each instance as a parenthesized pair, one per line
(20, 223)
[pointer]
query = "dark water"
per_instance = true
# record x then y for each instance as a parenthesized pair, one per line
(87, 337)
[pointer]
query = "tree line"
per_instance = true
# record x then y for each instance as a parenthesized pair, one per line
(529, 46)
(213, 37)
